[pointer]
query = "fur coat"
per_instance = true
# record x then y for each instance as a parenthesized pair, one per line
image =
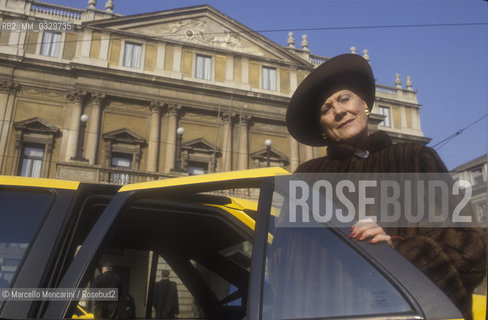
(453, 258)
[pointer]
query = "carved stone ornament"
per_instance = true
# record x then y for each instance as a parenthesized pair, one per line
(175, 110)
(156, 106)
(247, 120)
(200, 31)
(92, 4)
(98, 98)
(76, 96)
(5, 86)
(226, 117)
(9, 87)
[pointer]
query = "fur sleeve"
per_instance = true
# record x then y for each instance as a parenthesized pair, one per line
(453, 258)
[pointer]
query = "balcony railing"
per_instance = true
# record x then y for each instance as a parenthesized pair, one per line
(317, 60)
(54, 12)
(89, 173)
(386, 89)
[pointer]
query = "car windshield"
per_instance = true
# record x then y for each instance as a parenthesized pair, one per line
(21, 214)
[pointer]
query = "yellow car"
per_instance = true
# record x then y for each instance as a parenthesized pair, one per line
(221, 237)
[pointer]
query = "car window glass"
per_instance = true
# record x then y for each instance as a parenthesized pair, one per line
(311, 272)
(21, 214)
(225, 291)
(84, 220)
(202, 246)
(137, 283)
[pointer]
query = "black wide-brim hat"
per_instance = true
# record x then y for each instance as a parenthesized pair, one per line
(346, 71)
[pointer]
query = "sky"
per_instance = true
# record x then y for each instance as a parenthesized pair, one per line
(448, 65)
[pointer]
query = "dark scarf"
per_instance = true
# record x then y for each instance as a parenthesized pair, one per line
(373, 143)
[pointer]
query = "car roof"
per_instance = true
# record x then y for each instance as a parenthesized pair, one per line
(39, 182)
(221, 180)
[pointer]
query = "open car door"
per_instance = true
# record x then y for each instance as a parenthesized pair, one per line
(225, 254)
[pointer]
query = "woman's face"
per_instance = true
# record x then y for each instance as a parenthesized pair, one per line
(343, 117)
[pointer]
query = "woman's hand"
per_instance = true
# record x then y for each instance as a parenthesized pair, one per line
(368, 229)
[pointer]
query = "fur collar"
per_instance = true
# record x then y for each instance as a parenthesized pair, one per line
(374, 143)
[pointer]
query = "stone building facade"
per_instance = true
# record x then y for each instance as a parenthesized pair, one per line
(138, 78)
(476, 173)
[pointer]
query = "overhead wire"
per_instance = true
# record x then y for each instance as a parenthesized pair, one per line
(445, 141)
(436, 146)
(161, 36)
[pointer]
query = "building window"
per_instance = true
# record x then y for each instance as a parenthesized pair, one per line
(50, 44)
(195, 167)
(203, 67)
(385, 111)
(34, 140)
(122, 155)
(477, 176)
(121, 161)
(269, 78)
(31, 162)
(482, 211)
(132, 55)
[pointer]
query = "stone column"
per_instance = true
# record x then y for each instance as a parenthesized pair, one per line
(173, 111)
(294, 160)
(7, 97)
(243, 155)
(308, 153)
(93, 134)
(76, 99)
(226, 164)
(155, 129)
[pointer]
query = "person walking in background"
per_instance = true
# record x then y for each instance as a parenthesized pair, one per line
(166, 298)
(107, 279)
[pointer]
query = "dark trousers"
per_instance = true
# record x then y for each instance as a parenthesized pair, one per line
(105, 309)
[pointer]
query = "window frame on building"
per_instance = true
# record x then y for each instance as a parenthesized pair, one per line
(482, 211)
(51, 47)
(34, 132)
(123, 156)
(276, 158)
(269, 78)
(385, 111)
(122, 142)
(197, 167)
(130, 61)
(31, 165)
(477, 174)
(199, 154)
(203, 67)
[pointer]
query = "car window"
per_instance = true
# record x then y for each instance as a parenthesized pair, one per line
(94, 201)
(311, 272)
(21, 214)
(202, 247)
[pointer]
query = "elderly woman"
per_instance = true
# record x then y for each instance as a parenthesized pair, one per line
(330, 108)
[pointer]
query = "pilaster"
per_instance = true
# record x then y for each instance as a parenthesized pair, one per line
(154, 130)
(8, 91)
(243, 153)
(93, 134)
(173, 112)
(75, 99)
(294, 152)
